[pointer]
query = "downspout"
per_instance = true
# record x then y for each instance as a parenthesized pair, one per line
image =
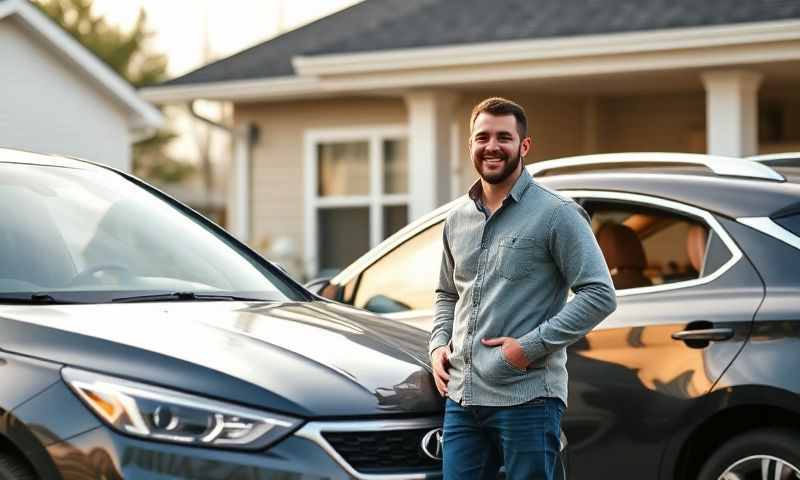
(243, 139)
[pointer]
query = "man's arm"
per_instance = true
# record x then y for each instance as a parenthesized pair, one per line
(580, 260)
(445, 300)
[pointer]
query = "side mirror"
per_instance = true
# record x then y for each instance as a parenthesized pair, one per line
(384, 304)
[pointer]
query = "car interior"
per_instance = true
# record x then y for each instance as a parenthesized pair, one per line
(645, 247)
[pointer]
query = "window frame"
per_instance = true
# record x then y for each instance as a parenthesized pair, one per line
(375, 201)
(694, 213)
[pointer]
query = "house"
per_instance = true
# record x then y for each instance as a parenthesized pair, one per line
(350, 126)
(57, 97)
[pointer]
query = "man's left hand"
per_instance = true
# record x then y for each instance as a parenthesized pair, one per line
(511, 350)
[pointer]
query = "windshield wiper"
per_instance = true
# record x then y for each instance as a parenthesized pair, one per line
(33, 299)
(185, 296)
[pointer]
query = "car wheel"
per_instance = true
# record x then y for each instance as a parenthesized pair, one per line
(13, 469)
(773, 454)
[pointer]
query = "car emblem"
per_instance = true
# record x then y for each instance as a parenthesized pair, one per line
(432, 444)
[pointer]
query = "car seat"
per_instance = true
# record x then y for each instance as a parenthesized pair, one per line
(624, 255)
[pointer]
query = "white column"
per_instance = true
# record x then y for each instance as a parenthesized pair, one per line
(429, 150)
(732, 112)
(239, 187)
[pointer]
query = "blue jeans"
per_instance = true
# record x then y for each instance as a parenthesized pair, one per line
(525, 438)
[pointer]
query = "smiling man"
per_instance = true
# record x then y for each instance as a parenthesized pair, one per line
(502, 324)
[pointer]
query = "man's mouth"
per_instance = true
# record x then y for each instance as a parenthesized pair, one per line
(493, 161)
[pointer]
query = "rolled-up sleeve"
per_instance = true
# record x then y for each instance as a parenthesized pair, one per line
(578, 256)
(445, 300)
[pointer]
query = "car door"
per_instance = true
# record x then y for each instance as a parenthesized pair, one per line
(686, 300)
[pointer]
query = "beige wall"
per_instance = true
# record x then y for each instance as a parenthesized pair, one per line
(277, 158)
(653, 123)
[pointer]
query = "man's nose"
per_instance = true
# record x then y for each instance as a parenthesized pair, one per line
(492, 145)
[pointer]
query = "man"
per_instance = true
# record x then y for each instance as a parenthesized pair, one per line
(502, 324)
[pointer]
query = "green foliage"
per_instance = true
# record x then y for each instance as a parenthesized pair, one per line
(124, 51)
(128, 54)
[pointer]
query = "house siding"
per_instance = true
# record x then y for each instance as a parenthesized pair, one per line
(674, 122)
(50, 108)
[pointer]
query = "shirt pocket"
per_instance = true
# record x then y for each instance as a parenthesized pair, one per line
(497, 369)
(518, 256)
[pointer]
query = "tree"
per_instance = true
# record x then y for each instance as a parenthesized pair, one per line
(128, 54)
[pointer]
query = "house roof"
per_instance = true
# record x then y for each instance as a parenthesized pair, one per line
(142, 115)
(383, 25)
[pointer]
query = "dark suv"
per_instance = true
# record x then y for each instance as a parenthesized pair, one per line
(138, 340)
(695, 374)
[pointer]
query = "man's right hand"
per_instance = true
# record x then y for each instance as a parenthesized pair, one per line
(441, 364)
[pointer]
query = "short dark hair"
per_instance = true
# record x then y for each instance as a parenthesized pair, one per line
(499, 106)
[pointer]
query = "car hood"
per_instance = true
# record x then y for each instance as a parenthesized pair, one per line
(310, 359)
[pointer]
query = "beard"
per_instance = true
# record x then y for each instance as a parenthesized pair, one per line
(509, 167)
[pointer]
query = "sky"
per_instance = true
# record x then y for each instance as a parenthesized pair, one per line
(232, 25)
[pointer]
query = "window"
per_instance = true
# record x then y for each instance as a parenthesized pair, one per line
(357, 193)
(403, 279)
(647, 246)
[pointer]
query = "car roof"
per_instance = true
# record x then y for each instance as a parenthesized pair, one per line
(728, 196)
(9, 155)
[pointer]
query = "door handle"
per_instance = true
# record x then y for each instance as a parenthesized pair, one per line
(707, 334)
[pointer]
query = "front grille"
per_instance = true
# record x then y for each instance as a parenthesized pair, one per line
(383, 451)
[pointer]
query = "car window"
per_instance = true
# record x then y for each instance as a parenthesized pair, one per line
(73, 230)
(403, 279)
(645, 246)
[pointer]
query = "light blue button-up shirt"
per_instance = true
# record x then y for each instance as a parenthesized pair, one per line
(508, 274)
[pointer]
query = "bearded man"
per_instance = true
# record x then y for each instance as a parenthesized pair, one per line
(502, 323)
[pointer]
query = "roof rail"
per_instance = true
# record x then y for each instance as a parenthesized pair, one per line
(775, 156)
(724, 166)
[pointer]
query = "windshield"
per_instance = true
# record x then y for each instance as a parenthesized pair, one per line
(90, 235)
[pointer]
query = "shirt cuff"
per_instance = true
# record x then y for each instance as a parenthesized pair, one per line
(439, 340)
(533, 346)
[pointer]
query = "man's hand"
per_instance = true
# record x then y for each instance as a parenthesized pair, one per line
(441, 364)
(511, 350)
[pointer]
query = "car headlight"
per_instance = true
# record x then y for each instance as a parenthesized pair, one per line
(161, 414)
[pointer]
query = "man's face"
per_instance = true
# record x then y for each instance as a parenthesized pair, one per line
(495, 147)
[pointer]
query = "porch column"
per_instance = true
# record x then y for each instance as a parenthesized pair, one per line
(429, 149)
(239, 187)
(732, 112)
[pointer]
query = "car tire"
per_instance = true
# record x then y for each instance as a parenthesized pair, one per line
(13, 469)
(768, 449)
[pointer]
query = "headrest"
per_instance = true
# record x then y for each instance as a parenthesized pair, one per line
(621, 247)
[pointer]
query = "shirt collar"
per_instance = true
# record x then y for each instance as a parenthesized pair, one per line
(521, 185)
(517, 191)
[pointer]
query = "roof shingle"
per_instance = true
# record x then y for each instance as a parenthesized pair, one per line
(375, 25)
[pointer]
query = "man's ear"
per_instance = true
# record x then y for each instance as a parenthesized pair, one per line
(526, 146)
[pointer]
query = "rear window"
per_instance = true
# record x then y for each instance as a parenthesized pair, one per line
(790, 222)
